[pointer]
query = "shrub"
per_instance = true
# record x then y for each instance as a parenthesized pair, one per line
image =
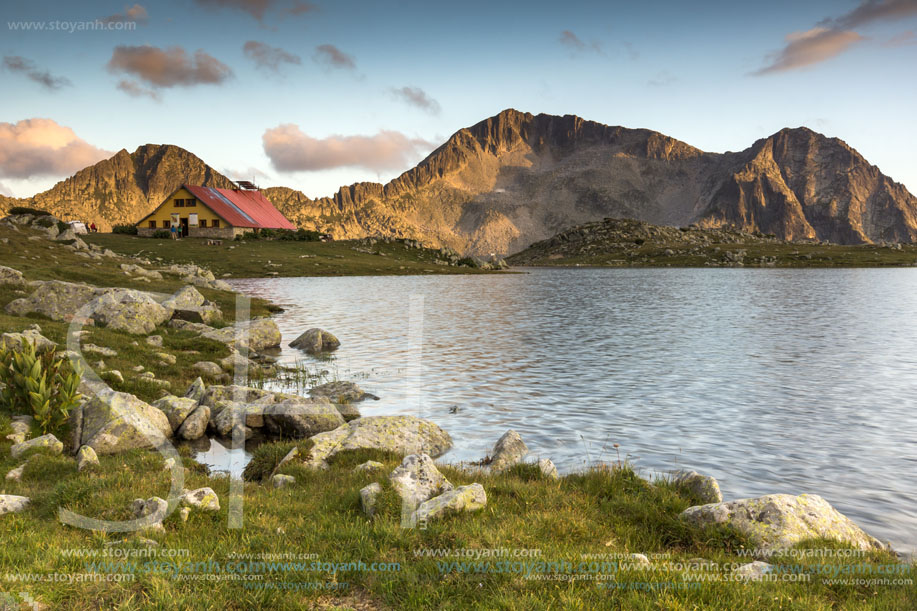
(62, 226)
(300, 235)
(42, 385)
(27, 210)
(44, 222)
(162, 234)
(125, 229)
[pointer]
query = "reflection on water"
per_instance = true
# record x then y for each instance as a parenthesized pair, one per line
(222, 459)
(770, 380)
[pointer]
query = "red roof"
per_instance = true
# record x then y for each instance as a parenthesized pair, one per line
(241, 208)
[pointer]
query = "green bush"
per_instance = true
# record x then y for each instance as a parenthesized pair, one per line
(162, 234)
(41, 385)
(300, 235)
(27, 210)
(62, 226)
(44, 222)
(125, 229)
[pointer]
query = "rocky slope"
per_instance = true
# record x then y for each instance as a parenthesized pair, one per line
(517, 178)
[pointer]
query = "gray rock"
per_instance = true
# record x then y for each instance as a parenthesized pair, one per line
(10, 503)
(16, 341)
(99, 350)
(165, 358)
(778, 521)
(130, 311)
(48, 443)
(339, 392)
(204, 499)
(256, 335)
(8, 276)
(86, 458)
(155, 341)
(207, 368)
(120, 421)
(753, 571)
(301, 418)
(243, 394)
(279, 480)
(315, 341)
(195, 425)
(196, 390)
(508, 451)
(417, 480)
(185, 297)
(368, 467)
(548, 469)
(397, 434)
(176, 409)
(369, 497)
(136, 270)
(15, 475)
(704, 487)
(464, 498)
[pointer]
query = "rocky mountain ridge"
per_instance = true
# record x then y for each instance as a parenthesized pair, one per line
(517, 178)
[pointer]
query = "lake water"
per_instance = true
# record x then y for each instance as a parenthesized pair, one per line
(770, 380)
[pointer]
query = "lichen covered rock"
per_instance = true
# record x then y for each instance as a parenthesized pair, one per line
(704, 487)
(463, 498)
(417, 480)
(120, 421)
(48, 443)
(397, 434)
(508, 451)
(316, 341)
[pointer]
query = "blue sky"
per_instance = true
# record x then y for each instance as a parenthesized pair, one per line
(327, 105)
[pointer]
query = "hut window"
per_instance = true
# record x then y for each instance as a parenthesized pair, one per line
(216, 223)
(203, 222)
(179, 203)
(152, 224)
(190, 203)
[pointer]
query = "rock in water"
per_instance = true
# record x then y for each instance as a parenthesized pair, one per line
(417, 480)
(781, 520)
(176, 409)
(397, 434)
(195, 425)
(315, 341)
(120, 421)
(508, 451)
(302, 418)
(463, 498)
(704, 487)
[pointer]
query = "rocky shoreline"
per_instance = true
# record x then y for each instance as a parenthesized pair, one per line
(108, 422)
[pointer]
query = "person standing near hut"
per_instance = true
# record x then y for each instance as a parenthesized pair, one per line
(174, 231)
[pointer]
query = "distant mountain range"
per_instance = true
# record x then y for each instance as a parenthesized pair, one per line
(517, 178)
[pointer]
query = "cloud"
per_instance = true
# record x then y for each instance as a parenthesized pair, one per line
(36, 147)
(250, 173)
(135, 90)
(904, 39)
(810, 47)
(268, 57)
(4, 190)
(170, 67)
(290, 150)
(834, 35)
(873, 10)
(16, 63)
(332, 57)
(576, 45)
(415, 96)
(131, 14)
(259, 8)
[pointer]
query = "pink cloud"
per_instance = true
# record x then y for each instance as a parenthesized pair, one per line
(36, 147)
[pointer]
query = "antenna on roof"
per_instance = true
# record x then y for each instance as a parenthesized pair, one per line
(247, 185)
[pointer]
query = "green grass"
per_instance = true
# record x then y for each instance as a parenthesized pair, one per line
(258, 258)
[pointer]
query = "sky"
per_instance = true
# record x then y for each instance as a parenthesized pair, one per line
(318, 94)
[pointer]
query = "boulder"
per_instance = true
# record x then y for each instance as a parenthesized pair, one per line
(508, 451)
(16, 341)
(8, 275)
(704, 487)
(207, 369)
(369, 496)
(54, 299)
(778, 521)
(316, 341)
(176, 409)
(153, 508)
(242, 394)
(92, 348)
(753, 571)
(256, 335)
(397, 434)
(417, 480)
(302, 417)
(10, 503)
(195, 425)
(49, 443)
(130, 311)
(155, 341)
(86, 458)
(463, 498)
(120, 421)
(136, 270)
(15, 475)
(204, 499)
